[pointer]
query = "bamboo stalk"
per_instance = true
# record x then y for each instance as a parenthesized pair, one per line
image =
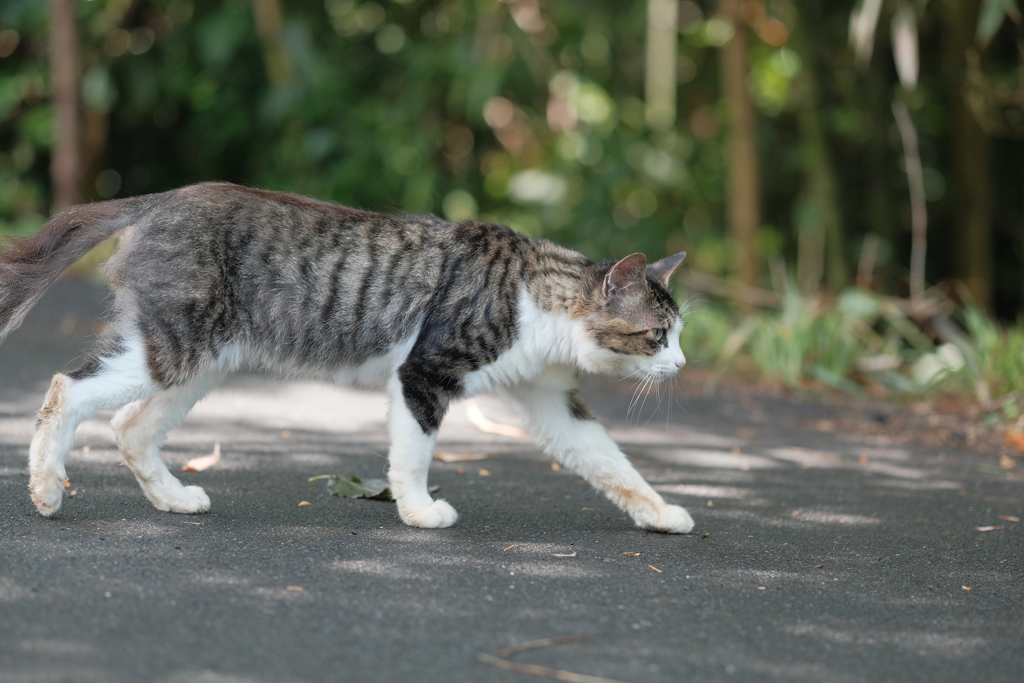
(868, 257)
(267, 14)
(660, 76)
(744, 202)
(918, 204)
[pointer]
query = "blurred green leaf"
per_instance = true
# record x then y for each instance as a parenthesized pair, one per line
(991, 17)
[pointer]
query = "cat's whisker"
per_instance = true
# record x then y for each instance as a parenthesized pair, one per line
(631, 374)
(690, 303)
(648, 381)
(668, 416)
(653, 384)
(637, 390)
(679, 394)
(636, 397)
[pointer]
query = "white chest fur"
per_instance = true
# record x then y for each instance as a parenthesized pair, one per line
(544, 339)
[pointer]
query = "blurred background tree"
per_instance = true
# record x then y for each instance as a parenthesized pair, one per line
(749, 133)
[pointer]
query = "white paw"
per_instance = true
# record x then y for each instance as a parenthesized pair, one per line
(437, 515)
(188, 500)
(47, 494)
(671, 519)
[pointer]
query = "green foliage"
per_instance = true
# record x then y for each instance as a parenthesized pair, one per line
(859, 341)
(532, 115)
(805, 339)
(996, 364)
(708, 327)
(992, 15)
(468, 109)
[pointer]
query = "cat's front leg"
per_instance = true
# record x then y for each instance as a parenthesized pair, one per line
(567, 431)
(412, 448)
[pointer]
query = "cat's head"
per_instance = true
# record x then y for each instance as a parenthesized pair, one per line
(631, 322)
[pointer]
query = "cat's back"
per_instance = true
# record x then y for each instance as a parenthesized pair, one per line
(248, 235)
(209, 214)
(295, 278)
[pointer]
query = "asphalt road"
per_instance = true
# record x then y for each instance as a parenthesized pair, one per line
(816, 556)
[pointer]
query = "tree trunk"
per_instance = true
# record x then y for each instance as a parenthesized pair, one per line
(662, 54)
(972, 175)
(267, 14)
(821, 238)
(744, 182)
(66, 162)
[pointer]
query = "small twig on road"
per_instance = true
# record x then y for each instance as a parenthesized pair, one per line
(536, 670)
(547, 672)
(542, 642)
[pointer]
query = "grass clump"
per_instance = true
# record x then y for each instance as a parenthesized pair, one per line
(860, 342)
(995, 355)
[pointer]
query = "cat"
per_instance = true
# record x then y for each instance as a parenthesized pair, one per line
(212, 277)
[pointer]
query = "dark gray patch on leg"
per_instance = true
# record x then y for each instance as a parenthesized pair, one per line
(108, 347)
(90, 367)
(577, 407)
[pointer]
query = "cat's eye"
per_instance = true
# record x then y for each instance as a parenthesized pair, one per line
(658, 333)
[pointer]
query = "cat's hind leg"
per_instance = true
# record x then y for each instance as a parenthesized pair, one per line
(140, 429)
(567, 431)
(106, 381)
(412, 448)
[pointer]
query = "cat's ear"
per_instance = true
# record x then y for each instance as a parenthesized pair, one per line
(625, 275)
(661, 271)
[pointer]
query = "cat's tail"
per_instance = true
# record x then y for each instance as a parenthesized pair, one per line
(29, 265)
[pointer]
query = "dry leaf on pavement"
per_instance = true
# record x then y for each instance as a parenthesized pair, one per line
(460, 457)
(205, 462)
(1015, 438)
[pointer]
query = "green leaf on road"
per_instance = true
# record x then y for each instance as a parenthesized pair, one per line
(353, 487)
(348, 486)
